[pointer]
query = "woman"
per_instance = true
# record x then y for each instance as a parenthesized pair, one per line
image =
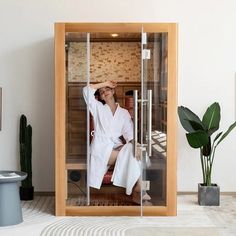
(110, 123)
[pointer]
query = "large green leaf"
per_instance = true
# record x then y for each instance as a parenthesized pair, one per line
(227, 132)
(211, 118)
(195, 125)
(185, 116)
(197, 139)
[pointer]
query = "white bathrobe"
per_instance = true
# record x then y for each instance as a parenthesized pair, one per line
(127, 169)
(107, 130)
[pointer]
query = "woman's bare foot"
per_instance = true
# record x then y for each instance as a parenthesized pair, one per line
(136, 195)
(146, 196)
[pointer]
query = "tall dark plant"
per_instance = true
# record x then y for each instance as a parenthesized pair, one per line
(26, 151)
(200, 135)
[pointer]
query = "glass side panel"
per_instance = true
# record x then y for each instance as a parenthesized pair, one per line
(76, 143)
(155, 79)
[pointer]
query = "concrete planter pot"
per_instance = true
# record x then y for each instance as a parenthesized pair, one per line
(208, 195)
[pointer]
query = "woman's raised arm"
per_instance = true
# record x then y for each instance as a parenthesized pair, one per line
(109, 83)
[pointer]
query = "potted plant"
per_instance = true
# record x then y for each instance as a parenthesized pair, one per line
(200, 136)
(26, 189)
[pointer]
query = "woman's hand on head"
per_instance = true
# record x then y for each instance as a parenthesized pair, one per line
(111, 83)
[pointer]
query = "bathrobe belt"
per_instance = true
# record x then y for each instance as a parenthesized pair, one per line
(113, 139)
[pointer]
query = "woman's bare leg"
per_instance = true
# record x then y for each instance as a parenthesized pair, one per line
(137, 186)
(136, 194)
(113, 157)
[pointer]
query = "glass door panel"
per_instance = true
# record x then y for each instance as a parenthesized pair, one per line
(154, 160)
(115, 58)
(77, 48)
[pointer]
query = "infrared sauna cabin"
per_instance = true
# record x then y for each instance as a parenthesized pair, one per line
(142, 58)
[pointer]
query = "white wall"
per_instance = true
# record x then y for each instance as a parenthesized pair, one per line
(207, 51)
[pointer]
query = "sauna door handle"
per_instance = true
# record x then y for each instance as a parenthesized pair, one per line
(135, 122)
(149, 123)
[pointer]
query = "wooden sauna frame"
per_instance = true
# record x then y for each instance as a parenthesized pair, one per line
(61, 209)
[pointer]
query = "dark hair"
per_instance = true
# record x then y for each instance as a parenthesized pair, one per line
(97, 95)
